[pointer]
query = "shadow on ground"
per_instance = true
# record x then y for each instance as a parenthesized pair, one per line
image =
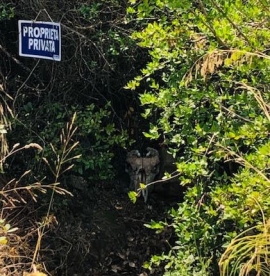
(101, 232)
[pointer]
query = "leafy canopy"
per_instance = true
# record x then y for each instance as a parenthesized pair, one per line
(208, 80)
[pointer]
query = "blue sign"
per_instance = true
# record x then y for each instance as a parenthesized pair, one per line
(40, 39)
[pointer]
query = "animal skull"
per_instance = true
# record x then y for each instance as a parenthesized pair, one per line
(142, 169)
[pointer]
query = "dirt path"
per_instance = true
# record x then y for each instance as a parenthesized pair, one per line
(102, 232)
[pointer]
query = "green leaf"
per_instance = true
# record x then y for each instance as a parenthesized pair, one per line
(3, 240)
(132, 196)
(143, 186)
(130, 10)
(148, 98)
(155, 225)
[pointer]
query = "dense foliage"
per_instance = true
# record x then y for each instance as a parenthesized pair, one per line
(41, 96)
(38, 98)
(208, 79)
(201, 72)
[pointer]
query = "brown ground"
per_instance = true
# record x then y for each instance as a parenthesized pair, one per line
(101, 232)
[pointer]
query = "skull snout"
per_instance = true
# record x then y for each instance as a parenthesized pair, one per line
(143, 170)
(141, 178)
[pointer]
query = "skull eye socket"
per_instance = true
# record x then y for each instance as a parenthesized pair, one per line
(131, 169)
(155, 169)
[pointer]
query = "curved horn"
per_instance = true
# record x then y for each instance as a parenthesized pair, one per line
(152, 152)
(133, 153)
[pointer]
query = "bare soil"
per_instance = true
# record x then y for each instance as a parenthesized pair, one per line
(101, 232)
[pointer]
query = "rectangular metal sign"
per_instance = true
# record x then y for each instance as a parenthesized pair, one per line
(40, 39)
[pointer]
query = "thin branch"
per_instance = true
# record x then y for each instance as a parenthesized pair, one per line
(236, 115)
(20, 88)
(230, 21)
(202, 9)
(20, 64)
(240, 160)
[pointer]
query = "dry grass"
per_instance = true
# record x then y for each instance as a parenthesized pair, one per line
(21, 228)
(248, 253)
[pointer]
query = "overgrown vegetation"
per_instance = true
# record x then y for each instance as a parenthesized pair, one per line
(39, 97)
(89, 80)
(208, 79)
(16, 255)
(198, 71)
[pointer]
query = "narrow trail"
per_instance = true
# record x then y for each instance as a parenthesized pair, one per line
(101, 232)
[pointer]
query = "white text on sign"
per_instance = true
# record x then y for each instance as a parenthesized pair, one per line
(37, 36)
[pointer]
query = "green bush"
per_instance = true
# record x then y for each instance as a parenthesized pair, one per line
(6, 11)
(97, 135)
(208, 81)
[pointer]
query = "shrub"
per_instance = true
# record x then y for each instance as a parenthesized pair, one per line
(208, 82)
(97, 136)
